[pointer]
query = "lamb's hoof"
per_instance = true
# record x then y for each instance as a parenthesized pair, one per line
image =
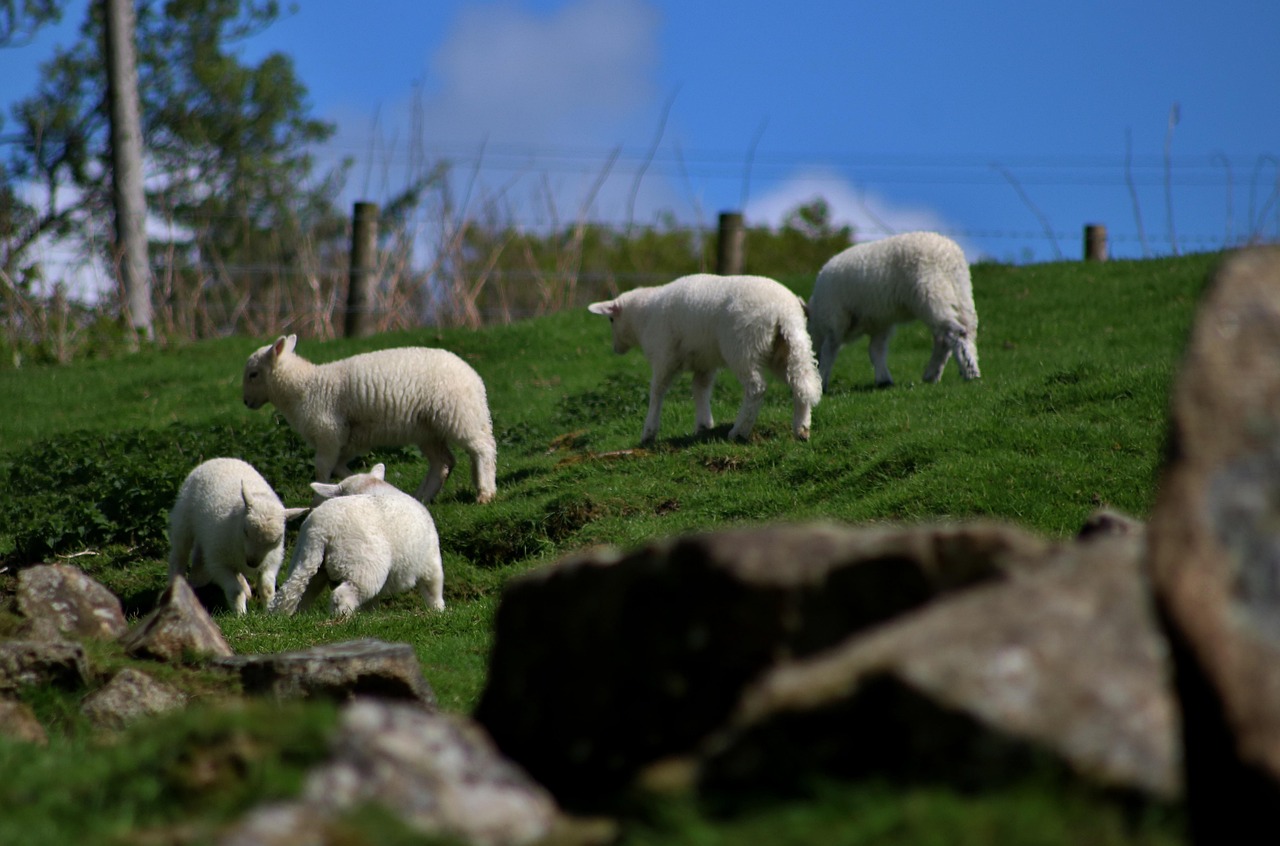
(485, 498)
(888, 384)
(802, 434)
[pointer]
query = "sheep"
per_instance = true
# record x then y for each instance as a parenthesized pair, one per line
(409, 395)
(371, 539)
(226, 524)
(704, 322)
(869, 288)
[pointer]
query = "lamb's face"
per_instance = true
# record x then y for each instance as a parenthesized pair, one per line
(257, 371)
(263, 535)
(624, 336)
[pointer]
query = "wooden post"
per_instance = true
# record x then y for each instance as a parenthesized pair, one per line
(732, 243)
(360, 286)
(1095, 242)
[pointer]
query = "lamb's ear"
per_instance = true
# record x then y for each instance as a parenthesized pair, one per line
(325, 489)
(378, 471)
(290, 513)
(609, 308)
(284, 345)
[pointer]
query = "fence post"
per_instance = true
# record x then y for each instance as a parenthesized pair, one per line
(362, 275)
(1095, 242)
(731, 244)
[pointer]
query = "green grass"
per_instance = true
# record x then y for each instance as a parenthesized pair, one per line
(1077, 362)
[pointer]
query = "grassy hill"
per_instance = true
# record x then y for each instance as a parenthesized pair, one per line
(1077, 362)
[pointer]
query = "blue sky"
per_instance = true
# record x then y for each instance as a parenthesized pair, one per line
(1003, 124)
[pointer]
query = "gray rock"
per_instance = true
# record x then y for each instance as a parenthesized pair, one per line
(26, 663)
(1061, 670)
(1215, 551)
(439, 773)
(129, 695)
(177, 630)
(18, 722)
(607, 662)
(338, 671)
(57, 600)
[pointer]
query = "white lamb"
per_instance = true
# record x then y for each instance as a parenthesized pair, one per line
(371, 540)
(411, 395)
(227, 524)
(702, 323)
(869, 288)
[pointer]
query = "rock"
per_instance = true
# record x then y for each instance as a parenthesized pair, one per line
(1061, 670)
(608, 662)
(57, 600)
(129, 695)
(1106, 521)
(18, 722)
(179, 628)
(438, 773)
(32, 663)
(1215, 550)
(338, 671)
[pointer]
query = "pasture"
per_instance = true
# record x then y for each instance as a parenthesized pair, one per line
(1077, 361)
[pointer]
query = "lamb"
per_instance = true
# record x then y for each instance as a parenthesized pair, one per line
(226, 524)
(704, 322)
(869, 288)
(410, 395)
(372, 540)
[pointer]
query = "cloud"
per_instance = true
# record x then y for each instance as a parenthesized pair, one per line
(871, 215)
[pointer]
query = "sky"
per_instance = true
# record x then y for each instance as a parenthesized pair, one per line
(1006, 125)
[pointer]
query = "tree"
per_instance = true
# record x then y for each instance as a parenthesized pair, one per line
(226, 146)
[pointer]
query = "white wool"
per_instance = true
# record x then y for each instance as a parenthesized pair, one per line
(228, 524)
(870, 288)
(411, 395)
(367, 545)
(701, 323)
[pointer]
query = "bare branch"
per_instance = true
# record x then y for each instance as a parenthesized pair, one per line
(1044, 221)
(1133, 191)
(746, 168)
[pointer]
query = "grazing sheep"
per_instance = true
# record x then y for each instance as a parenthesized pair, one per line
(411, 395)
(371, 540)
(702, 323)
(227, 524)
(869, 288)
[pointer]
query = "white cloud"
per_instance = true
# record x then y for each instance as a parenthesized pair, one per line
(872, 216)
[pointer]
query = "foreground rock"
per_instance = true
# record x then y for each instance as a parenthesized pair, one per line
(438, 773)
(18, 722)
(1059, 670)
(339, 671)
(177, 630)
(130, 695)
(1215, 551)
(37, 663)
(606, 663)
(58, 601)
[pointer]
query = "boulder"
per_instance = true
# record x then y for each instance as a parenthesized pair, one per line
(340, 671)
(60, 601)
(1214, 535)
(129, 695)
(18, 722)
(178, 629)
(1062, 670)
(33, 663)
(438, 773)
(609, 661)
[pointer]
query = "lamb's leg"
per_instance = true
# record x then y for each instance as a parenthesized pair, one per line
(180, 552)
(236, 589)
(703, 382)
(312, 591)
(658, 386)
(440, 461)
(827, 351)
(878, 349)
(432, 593)
(484, 469)
(966, 350)
(753, 385)
(938, 360)
(345, 600)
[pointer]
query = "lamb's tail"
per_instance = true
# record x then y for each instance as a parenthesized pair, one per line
(801, 367)
(308, 557)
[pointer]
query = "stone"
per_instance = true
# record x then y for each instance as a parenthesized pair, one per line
(178, 629)
(130, 695)
(439, 773)
(1214, 535)
(339, 671)
(18, 722)
(1062, 670)
(58, 601)
(607, 661)
(35, 663)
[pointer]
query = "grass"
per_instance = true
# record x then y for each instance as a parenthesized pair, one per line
(1077, 361)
